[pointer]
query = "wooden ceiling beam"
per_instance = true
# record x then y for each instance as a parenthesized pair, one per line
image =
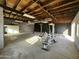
(63, 10)
(73, 3)
(10, 9)
(67, 4)
(52, 16)
(14, 8)
(17, 15)
(11, 18)
(39, 17)
(38, 13)
(16, 4)
(51, 3)
(66, 9)
(4, 3)
(73, 10)
(15, 19)
(26, 7)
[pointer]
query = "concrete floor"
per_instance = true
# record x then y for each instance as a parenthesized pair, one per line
(28, 46)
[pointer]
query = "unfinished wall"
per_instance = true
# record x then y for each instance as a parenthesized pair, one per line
(63, 29)
(74, 31)
(1, 28)
(26, 28)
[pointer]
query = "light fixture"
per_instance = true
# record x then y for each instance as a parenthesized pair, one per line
(43, 21)
(26, 15)
(18, 21)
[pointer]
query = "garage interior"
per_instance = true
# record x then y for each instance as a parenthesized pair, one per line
(39, 29)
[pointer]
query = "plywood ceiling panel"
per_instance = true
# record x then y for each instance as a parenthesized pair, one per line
(22, 4)
(11, 3)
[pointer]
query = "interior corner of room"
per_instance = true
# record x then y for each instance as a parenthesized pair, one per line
(29, 26)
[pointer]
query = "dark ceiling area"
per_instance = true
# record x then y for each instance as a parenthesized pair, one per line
(60, 11)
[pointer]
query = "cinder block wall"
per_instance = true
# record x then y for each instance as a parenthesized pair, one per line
(1, 28)
(26, 28)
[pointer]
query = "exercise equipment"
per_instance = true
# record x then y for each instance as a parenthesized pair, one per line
(49, 39)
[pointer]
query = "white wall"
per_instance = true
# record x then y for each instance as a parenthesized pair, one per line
(1, 28)
(12, 29)
(26, 28)
(74, 30)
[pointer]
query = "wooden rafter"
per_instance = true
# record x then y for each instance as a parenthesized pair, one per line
(16, 4)
(40, 9)
(17, 16)
(25, 7)
(67, 4)
(60, 10)
(4, 2)
(66, 9)
(15, 19)
(51, 3)
(52, 16)
(38, 13)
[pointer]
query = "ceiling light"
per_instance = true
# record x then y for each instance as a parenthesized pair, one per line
(26, 15)
(18, 21)
(43, 21)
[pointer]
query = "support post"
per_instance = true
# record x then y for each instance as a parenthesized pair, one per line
(1, 28)
(41, 27)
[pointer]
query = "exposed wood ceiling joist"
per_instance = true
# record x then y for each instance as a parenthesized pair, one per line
(68, 8)
(65, 10)
(25, 7)
(18, 15)
(53, 9)
(46, 10)
(51, 3)
(66, 5)
(16, 4)
(40, 8)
